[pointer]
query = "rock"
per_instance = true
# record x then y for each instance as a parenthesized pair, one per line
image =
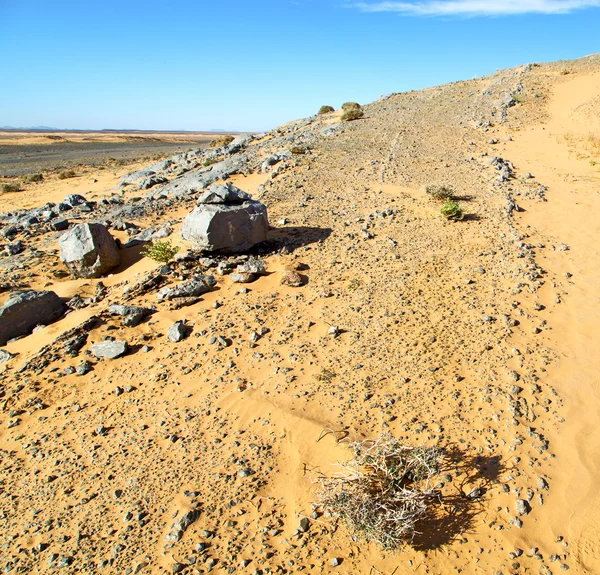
(235, 226)
(25, 310)
(252, 266)
(334, 562)
(59, 224)
(5, 356)
(223, 194)
(304, 525)
(246, 472)
(177, 332)
(89, 251)
(292, 278)
(242, 278)
(522, 507)
(196, 286)
(132, 315)
(14, 248)
(74, 200)
(110, 349)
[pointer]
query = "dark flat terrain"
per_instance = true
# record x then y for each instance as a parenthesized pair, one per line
(18, 160)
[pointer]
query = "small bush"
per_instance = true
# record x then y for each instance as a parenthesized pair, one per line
(298, 150)
(210, 162)
(33, 178)
(383, 490)
(12, 187)
(326, 110)
(161, 252)
(66, 174)
(350, 106)
(220, 142)
(440, 192)
(354, 114)
(451, 210)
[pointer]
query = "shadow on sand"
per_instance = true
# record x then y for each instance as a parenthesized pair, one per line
(454, 513)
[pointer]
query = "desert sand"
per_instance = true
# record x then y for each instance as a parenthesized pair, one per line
(480, 336)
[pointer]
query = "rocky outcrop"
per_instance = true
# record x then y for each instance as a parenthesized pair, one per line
(27, 309)
(226, 220)
(89, 251)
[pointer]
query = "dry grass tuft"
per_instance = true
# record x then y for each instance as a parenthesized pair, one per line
(440, 192)
(383, 491)
(325, 110)
(220, 142)
(354, 114)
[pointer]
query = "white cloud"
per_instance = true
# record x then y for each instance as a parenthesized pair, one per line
(477, 7)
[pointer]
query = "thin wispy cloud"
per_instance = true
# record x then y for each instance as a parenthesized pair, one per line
(477, 7)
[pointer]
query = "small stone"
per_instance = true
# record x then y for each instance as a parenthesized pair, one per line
(304, 525)
(293, 279)
(522, 507)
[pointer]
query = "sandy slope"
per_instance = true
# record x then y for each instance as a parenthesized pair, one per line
(558, 153)
(467, 335)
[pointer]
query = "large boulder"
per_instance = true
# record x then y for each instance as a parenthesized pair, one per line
(89, 251)
(25, 310)
(226, 220)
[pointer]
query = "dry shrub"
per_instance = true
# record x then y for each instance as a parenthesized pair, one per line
(33, 178)
(220, 142)
(439, 192)
(353, 114)
(326, 110)
(11, 187)
(298, 150)
(66, 174)
(383, 491)
(350, 106)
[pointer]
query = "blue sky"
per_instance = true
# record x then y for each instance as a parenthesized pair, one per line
(253, 64)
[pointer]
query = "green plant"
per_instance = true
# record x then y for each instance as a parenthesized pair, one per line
(298, 150)
(451, 210)
(33, 178)
(161, 252)
(350, 106)
(12, 187)
(66, 174)
(383, 491)
(353, 114)
(326, 110)
(210, 162)
(220, 142)
(439, 192)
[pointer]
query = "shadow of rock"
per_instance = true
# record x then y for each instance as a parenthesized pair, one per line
(454, 511)
(291, 238)
(471, 218)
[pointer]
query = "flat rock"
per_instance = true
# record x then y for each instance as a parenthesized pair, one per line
(110, 349)
(25, 310)
(177, 332)
(192, 288)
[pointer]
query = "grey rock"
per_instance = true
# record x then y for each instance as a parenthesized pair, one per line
(59, 224)
(246, 472)
(132, 315)
(252, 266)
(226, 228)
(89, 251)
(5, 356)
(304, 525)
(110, 349)
(522, 507)
(177, 332)
(242, 278)
(14, 248)
(74, 200)
(223, 194)
(24, 310)
(192, 288)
